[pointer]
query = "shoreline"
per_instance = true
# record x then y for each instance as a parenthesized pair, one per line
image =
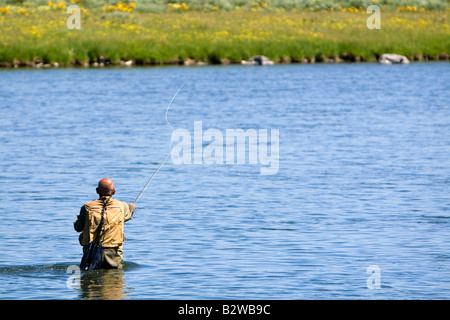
(106, 63)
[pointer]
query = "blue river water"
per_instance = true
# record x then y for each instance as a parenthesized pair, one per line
(357, 208)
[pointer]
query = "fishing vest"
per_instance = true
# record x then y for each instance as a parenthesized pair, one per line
(113, 221)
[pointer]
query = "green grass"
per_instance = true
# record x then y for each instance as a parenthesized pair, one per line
(174, 36)
(161, 5)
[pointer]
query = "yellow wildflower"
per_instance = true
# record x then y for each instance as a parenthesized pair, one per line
(5, 10)
(22, 11)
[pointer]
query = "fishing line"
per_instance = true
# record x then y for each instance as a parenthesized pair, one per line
(170, 149)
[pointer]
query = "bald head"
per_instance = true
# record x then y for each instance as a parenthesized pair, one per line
(106, 187)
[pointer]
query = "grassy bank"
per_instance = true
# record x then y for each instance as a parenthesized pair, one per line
(112, 35)
(164, 5)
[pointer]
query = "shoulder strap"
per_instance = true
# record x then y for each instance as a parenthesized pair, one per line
(100, 225)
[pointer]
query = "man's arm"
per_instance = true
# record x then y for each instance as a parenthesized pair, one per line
(129, 211)
(81, 219)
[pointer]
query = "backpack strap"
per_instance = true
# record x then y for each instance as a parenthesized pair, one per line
(100, 225)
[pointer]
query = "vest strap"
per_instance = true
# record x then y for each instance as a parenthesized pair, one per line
(100, 225)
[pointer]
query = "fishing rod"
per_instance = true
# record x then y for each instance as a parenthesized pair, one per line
(167, 156)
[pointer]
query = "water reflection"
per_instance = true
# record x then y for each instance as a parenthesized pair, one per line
(107, 284)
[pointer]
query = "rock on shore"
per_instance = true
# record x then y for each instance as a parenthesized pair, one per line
(392, 58)
(258, 61)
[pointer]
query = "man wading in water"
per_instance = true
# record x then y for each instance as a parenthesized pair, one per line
(115, 215)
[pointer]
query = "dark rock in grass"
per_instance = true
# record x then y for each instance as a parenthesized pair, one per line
(258, 61)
